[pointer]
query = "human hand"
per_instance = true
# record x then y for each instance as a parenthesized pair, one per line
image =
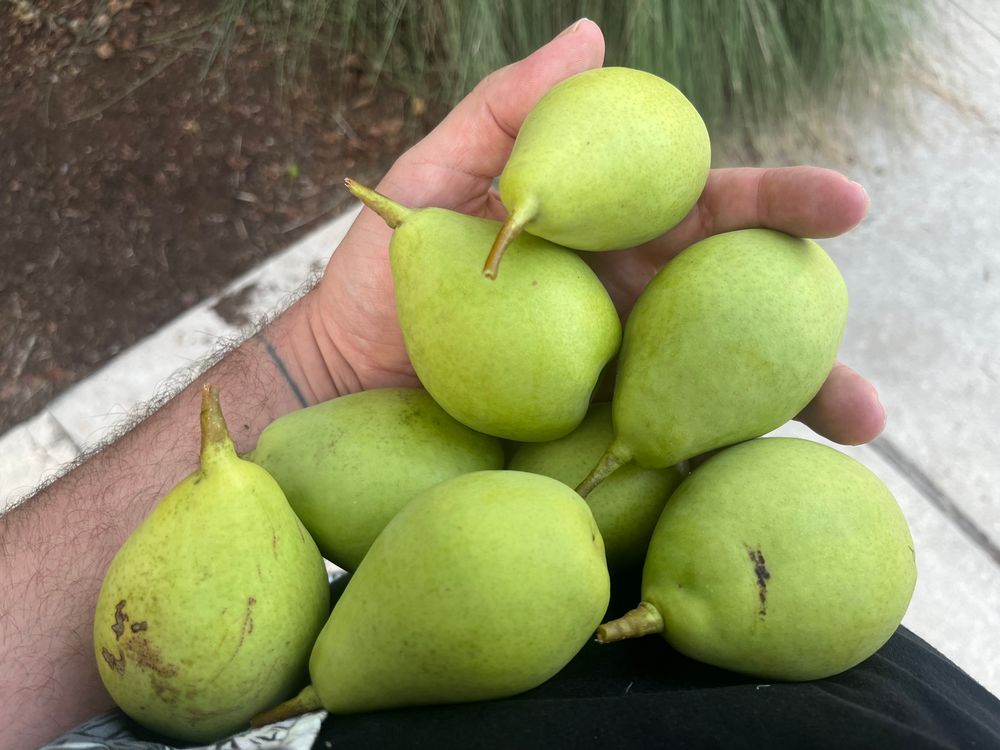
(353, 311)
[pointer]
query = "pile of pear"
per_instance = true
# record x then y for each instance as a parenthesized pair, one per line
(485, 516)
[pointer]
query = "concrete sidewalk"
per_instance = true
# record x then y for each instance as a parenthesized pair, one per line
(924, 276)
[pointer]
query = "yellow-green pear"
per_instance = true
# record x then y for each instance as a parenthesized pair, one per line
(517, 358)
(626, 505)
(349, 464)
(730, 340)
(482, 587)
(608, 158)
(780, 558)
(209, 609)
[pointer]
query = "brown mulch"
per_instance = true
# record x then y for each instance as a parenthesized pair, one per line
(135, 180)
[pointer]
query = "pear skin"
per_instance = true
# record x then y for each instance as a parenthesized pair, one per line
(609, 158)
(482, 587)
(517, 358)
(779, 558)
(349, 464)
(626, 505)
(209, 609)
(730, 340)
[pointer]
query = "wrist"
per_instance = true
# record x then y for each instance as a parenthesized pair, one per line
(301, 348)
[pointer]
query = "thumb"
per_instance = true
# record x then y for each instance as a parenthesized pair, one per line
(477, 136)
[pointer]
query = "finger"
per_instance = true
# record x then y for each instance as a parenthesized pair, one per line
(846, 410)
(479, 133)
(476, 138)
(801, 201)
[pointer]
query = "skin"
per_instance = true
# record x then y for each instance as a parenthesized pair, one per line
(340, 338)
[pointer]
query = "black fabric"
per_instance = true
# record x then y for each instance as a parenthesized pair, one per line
(641, 693)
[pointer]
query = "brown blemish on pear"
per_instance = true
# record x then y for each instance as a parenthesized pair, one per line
(120, 619)
(763, 574)
(117, 663)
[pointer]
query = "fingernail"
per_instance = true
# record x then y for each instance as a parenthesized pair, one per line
(884, 416)
(867, 198)
(571, 29)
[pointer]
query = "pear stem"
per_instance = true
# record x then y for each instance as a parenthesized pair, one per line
(306, 701)
(614, 458)
(215, 440)
(391, 212)
(512, 227)
(643, 620)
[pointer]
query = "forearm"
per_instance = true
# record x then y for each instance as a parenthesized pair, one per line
(56, 546)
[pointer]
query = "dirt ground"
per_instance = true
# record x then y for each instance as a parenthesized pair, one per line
(135, 179)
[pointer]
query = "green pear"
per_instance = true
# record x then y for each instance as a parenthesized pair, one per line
(730, 340)
(518, 358)
(608, 158)
(349, 464)
(209, 609)
(482, 587)
(780, 558)
(626, 506)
